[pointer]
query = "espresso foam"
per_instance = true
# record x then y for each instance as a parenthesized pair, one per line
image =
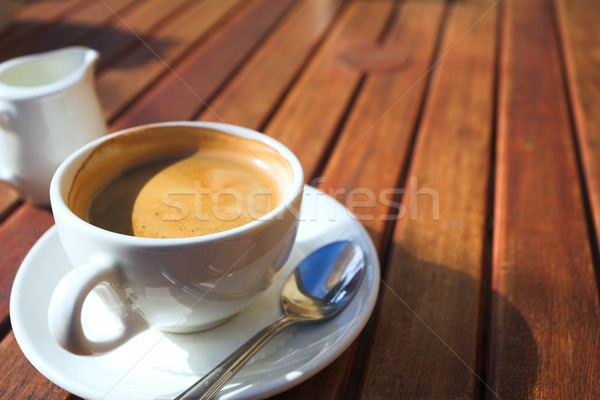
(200, 194)
(178, 182)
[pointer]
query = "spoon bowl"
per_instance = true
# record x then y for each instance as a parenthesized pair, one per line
(324, 282)
(321, 286)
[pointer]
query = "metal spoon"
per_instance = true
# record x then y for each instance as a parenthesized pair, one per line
(320, 287)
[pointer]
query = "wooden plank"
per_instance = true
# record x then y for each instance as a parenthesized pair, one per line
(425, 337)
(19, 379)
(253, 93)
(545, 335)
(70, 28)
(580, 38)
(347, 176)
(316, 104)
(201, 72)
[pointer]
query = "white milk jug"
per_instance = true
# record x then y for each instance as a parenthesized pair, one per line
(48, 109)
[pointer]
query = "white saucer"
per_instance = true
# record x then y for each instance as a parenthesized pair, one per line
(155, 365)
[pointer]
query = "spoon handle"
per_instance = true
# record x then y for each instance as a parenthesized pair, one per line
(208, 386)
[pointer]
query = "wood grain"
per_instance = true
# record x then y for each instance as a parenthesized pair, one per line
(426, 331)
(542, 261)
(191, 82)
(580, 39)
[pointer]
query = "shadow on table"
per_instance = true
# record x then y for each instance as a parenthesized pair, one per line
(425, 334)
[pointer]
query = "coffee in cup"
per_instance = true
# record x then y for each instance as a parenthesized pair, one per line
(184, 223)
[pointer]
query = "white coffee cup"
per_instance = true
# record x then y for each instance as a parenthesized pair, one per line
(176, 285)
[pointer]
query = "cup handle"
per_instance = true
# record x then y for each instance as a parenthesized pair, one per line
(66, 303)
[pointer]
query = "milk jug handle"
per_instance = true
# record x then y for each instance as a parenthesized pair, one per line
(66, 304)
(6, 115)
(7, 172)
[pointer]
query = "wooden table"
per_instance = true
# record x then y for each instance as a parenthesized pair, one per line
(474, 124)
